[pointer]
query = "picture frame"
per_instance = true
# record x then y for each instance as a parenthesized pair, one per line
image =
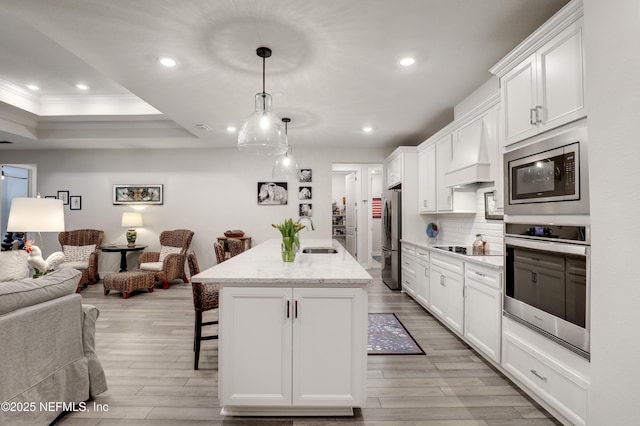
(305, 210)
(305, 193)
(75, 202)
(64, 196)
(137, 194)
(272, 193)
(490, 212)
(306, 175)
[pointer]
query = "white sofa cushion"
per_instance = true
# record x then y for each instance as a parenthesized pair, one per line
(151, 266)
(31, 291)
(13, 265)
(78, 253)
(167, 250)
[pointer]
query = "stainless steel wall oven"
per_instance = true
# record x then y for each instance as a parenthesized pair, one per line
(547, 281)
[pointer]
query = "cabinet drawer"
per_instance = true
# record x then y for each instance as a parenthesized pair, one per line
(408, 263)
(408, 250)
(447, 262)
(482, 275)
(422, 254)
(559, 387)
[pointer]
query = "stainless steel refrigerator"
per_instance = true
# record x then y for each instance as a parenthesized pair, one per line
(391, 232)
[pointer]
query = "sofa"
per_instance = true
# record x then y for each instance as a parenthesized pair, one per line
(48, 362)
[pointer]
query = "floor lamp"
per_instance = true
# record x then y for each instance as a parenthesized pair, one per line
(36, 215)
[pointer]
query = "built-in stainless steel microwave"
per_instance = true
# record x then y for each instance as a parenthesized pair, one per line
(548, 176)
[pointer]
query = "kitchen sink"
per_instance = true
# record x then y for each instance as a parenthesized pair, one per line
(319, 250)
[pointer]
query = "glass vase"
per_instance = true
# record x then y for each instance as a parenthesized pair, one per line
(288, 247)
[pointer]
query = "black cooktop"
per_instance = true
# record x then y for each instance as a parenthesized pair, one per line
(467, 251)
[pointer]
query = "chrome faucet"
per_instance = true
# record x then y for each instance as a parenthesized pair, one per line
(306, 220)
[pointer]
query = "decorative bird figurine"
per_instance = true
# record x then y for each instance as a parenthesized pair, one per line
(39, 265)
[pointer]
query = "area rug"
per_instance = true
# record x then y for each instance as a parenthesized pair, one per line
(387, 336)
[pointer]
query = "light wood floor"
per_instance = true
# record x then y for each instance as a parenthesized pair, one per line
(145, 345)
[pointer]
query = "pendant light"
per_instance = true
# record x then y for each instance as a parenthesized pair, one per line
(286, 166)
(262, 133)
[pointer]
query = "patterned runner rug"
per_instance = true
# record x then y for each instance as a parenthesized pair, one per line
(387, 336)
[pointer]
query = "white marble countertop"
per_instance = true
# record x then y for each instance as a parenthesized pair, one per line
(263, 265)
(496, 262)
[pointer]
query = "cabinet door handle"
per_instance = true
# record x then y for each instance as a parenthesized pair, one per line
(534, 277)
(288, 309)
(480, 274)
(538, 114)
(533, 116)
(295, 309)
(425, 203)
(449, 201)
(443, 280)
(535, 373)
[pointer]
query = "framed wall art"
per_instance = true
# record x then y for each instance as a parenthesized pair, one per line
(304, 193)
(137, 194)
(272, 193)
(306, 175)
(490, 212)
(64, 196)
(75, 202)
(305, 210)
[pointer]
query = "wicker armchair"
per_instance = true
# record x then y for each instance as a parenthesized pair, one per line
(217, 247)
(205, 298)
(174, 247)
(235, 246)
(83, 237)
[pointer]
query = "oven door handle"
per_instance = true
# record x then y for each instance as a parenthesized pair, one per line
(580, 250)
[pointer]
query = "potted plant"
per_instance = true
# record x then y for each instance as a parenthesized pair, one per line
(290, 242)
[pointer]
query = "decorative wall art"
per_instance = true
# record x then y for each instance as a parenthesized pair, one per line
(304, 193)
(64, 196)
(272, 193)
(305, 175)
(306, 210)
(490, 212)
(137, 194)
(75, 202)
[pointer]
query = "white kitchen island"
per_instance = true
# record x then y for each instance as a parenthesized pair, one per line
(293, 336)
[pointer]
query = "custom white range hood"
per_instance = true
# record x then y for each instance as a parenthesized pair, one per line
(470, 163)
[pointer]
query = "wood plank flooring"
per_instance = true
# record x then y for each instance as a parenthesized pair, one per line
(145, 346)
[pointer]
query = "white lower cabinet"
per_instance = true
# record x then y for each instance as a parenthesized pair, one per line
(422, 277)
(446, 286)
(552, 373)
(483, 309)
(299, 347)
(408, 269)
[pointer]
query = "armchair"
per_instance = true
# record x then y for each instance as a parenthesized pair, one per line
(79, 253)
(169, 263)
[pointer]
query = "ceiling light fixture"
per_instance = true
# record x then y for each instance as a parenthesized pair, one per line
(231, 129)
(82, 86)
(367, 129)
(32, 87)
(407, 62)
(167, 62)
(286, 166)
(262, 132)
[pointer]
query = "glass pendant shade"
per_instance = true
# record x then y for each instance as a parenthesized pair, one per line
(262, 133)
(285, 168)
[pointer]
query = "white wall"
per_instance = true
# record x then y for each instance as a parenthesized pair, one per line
(612, 30)
(207, 191)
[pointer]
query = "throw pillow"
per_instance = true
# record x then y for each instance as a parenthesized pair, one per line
(167, 250)
(13, 265)
(78, 253)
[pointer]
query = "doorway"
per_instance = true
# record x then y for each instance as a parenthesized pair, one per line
(356, 192)
(18, 180)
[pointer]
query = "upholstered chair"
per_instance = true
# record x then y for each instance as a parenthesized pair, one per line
(217, 247)
(205, 298)
(81, 248)
(168, 264)
(235, 246)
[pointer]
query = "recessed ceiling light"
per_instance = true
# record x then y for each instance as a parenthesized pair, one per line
(82, 86)
(407, 62)
(32, 87)
(367, 129)
(167, 62)
(231, 129)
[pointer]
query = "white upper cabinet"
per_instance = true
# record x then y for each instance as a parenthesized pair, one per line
(542, 80)
(444, 154)
(427, 180)
(393, 167)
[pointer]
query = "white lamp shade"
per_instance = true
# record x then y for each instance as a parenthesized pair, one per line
(131, 219)
(36, 215)
(262, 133)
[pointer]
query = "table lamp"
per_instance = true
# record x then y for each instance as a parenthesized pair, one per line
(131, 220)
(36, 215)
